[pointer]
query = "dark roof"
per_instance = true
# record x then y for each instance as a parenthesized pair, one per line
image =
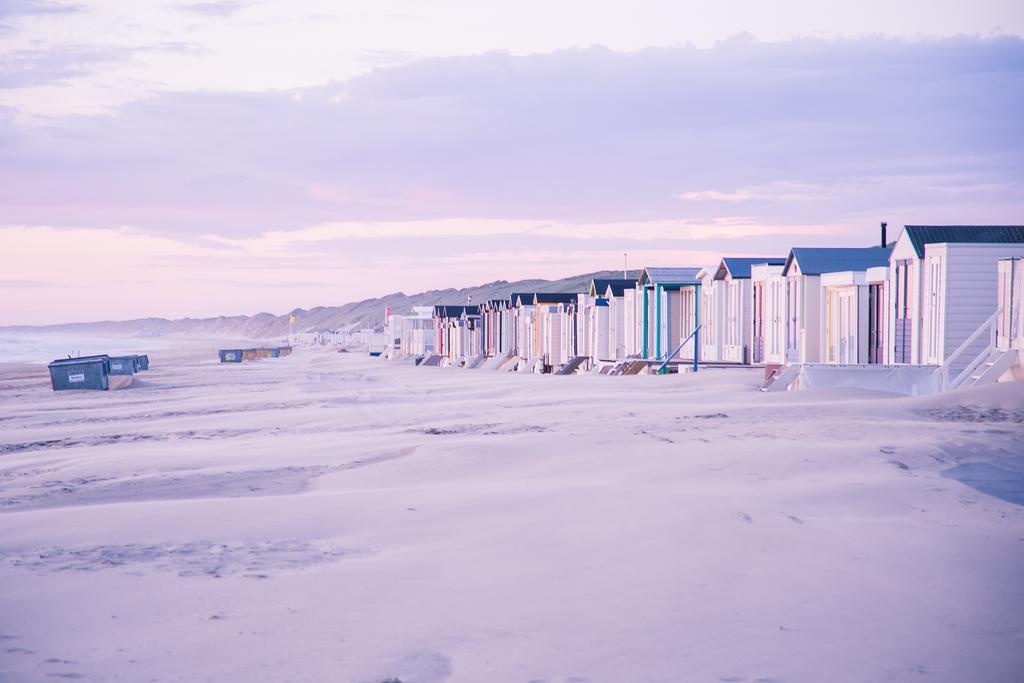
(818, 260)
(600, 285)
(921, 235)
(557, 298)
(739, 268)
(620, 288)
(527, 298)
(455, 311)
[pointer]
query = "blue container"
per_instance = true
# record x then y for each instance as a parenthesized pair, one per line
(143, 362)
(230, 355)
(275, 353)
(89, 372)
(121, 365)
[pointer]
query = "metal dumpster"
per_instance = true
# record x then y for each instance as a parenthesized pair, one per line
(89, 372)
(121, 371)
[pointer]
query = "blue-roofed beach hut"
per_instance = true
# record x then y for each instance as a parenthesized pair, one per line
(803, 270)
(669, 310)
(88, 372)
(741, 308)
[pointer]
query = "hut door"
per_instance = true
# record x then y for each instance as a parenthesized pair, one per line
(902, 329)
(833, 336)
(758, 350)
(793, 308)
(934, 305)
(847, 326)
(875, 321)
(777, 319)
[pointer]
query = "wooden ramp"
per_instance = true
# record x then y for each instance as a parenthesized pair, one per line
(634, 367)
(572, 366)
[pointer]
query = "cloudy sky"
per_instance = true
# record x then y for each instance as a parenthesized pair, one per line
(201, 158)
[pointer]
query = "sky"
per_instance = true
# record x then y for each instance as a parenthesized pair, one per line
(179, 158)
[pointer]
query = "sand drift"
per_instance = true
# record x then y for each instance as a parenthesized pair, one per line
(330, 517)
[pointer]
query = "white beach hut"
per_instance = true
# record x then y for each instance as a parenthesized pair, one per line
(768, 306)
(619, 296)
(735, 289)
(959, 311)
(942, 283)
(664, 326)
(556, 327)
(853, 312)
(521, 306)
(411, 334)
(803, 271)
(606, 318)
(586, 324)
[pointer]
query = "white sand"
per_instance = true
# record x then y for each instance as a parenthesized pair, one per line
(329, 517)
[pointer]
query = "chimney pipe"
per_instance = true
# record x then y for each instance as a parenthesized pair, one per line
(883, 234)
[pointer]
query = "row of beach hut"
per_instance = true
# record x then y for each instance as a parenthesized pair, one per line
(939, 307)
(101, 372)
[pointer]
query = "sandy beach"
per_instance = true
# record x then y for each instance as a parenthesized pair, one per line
(332, 517)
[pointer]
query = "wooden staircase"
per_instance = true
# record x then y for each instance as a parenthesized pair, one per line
(572, 366)
(996, 362)
(986, 368)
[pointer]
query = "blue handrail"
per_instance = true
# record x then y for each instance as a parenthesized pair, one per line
(696, 352)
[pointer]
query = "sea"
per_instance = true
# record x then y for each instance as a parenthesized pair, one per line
(43, 347)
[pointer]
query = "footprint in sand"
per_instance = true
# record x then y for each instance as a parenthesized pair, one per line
(745, 517)
(794, 519)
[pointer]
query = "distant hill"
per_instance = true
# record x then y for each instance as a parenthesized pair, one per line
(345, 317)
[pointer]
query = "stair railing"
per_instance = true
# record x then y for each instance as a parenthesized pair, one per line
(962, 376)
(695, 336)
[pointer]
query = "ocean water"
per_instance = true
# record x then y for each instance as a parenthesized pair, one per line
(43, 347)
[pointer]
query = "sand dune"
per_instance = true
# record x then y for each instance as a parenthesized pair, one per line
(329, 517)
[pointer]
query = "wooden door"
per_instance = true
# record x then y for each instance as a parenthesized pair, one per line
(792, 319)
(758, 321)
(848, 326)
(876, 322)
(902, 328)
(934, 303)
